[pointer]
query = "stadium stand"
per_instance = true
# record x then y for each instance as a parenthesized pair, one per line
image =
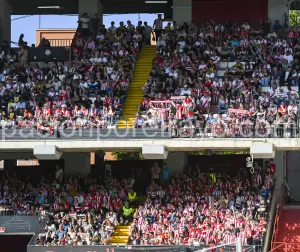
(223, 79)
(195, 209)
(218, 80)
(89, 94)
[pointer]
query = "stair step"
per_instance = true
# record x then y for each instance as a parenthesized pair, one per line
(136, 87)
(119, 241)
(122, 229)
(120, 237)
(135, 94)
(135, 99)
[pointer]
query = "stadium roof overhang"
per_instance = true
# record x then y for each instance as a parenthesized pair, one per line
(71, 7)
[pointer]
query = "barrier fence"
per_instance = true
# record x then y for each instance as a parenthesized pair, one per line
(92, 131)
(18, 222)
(285, 246)
(60, 42)
(162, 248)
(279, 246)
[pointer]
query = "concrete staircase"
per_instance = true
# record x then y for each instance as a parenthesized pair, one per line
(289, 225)
(135, 94)
(120, 236)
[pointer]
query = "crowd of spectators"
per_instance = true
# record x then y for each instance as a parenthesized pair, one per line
(79, 210)
(191, 209)
(227, 78)
(52, 95)
(204, 209)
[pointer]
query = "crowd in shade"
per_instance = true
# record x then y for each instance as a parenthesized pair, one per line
(204, 209)
(195, 209)
(224, 78)
(79, 210)
(55, 96)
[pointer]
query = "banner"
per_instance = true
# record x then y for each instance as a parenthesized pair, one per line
(47, 54)
(159, 102)
(237, 111)
(177, 98)
(13, 224)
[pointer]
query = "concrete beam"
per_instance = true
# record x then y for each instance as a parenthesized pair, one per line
(5, 21)
(90, 7)
(195, 144)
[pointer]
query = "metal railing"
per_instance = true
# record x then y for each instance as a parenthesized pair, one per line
(124, 129)
(285, 246)
(60, 42)
(154, 248)
(282, 201)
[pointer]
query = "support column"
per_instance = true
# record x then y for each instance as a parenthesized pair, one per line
(280, 161)
(77, 162)
(98, 170)
(293, 173)
(177, 162)
(91, 7)
(182, 11)
(277, 10)
(5, 21)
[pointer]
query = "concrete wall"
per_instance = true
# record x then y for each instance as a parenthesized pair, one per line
(230, 10)
(277, 9)
(90, 7)
(57, 34)
(75, 163)
(293, 174)
(127, 144)
(182, 11)
(177, 161)
(5, 21)
(280, 161)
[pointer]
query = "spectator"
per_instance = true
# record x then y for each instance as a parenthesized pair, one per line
(189, 67)
(202, 209)
(127, 214)
(84, 23)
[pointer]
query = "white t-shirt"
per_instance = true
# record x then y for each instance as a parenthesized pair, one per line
(181, 44)
(289, 58)
(84, 22)
(83, 85)
(58, 174)
(246, 27)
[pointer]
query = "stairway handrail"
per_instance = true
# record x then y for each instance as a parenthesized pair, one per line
(278, 201)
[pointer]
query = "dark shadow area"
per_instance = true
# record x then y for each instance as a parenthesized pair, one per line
(14, 243)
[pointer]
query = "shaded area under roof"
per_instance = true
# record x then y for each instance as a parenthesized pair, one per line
(71, 7)
(295, 5)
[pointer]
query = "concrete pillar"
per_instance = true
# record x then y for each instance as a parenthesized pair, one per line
(99, 166)
(280, 161)
(5, 21)
(277, 10)
(77, 162)
(177, 162)
(182, 11)
(91, 7)
(293, 173)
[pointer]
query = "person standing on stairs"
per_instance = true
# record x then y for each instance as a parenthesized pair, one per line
(127, 214)
(147, 33)
(132, 196)
(158, 26)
